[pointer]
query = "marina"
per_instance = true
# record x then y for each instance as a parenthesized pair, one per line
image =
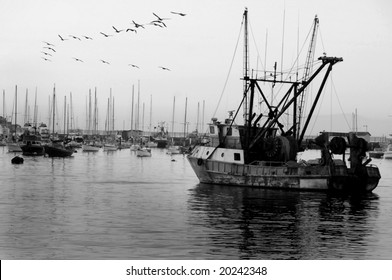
(119, 206)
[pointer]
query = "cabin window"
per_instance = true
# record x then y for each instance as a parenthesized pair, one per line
(237, 156)
(229, 131)
(223, 154)
(207, 153)
(212, 129)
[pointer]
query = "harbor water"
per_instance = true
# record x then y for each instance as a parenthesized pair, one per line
(114, 205)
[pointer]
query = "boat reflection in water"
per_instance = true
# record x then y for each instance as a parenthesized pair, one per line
(252, 223)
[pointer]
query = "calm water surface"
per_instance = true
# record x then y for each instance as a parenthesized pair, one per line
(113, 205)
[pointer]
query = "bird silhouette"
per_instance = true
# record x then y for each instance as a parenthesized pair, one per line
(133, 65)
(77, 59)
(46, 59)
(180, 14)
(49, 48)
(164, 68)
(49, 44)
(159, 18)
(158, 23)
(106, 35)
(138, 25)
(45, 53)
(104, 61)
(117, 30)
(62, 39)
(76, 38)
(130, 29)
(87, 37)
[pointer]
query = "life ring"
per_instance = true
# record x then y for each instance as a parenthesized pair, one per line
(199, 161)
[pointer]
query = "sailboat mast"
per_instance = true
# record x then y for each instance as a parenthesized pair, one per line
(16, 107)
(53, 110)
(133, 89)
(65, 113)
(174, 105)
(186, 105)
(150, 114)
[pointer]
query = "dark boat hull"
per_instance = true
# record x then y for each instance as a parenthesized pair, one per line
(53, 151)
(33, 150)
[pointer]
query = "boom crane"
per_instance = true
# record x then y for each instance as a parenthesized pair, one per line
(307, 71)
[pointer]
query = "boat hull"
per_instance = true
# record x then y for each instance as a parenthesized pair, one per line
(89, 148)
(33, 150)
(53, 151)
(315, 178)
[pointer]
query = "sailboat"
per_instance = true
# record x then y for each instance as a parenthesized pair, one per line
(13, 145)
(263, 152)
(57, 148)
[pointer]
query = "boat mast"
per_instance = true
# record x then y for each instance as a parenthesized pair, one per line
(53, 110)
(308, 69)
(246, 66)
(16, 107)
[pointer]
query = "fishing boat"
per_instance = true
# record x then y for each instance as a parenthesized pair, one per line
(143, 152)
(263, 152)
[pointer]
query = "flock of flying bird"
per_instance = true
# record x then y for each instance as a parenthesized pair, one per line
(49, 48)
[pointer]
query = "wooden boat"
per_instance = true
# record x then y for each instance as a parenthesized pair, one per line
(174, 150)
(263, 152)
(143, 152)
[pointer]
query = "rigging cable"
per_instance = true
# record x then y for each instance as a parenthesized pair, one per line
(231, 66)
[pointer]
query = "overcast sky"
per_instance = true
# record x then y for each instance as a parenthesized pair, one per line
(197, 48)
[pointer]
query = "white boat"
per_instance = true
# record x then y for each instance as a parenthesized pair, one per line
(143, 152)
(151, 144)
(134, 147)
(174, 150)
(110, 147)
(388, 152)
(89, 148)
(14, 147)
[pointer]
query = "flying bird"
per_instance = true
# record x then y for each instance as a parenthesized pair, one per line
(87, 37)
(103, 61)
(46, 59)
(76, 38)
(164, 68)
(138, 25)
(159, 18)
(117, 30)
(106, 35)
(133, 65)
(180, 14)
(77, 59)
(62, 39)
(158, 23)
(130, 29)
(45, 53)
(49, 48)
(49, 44)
